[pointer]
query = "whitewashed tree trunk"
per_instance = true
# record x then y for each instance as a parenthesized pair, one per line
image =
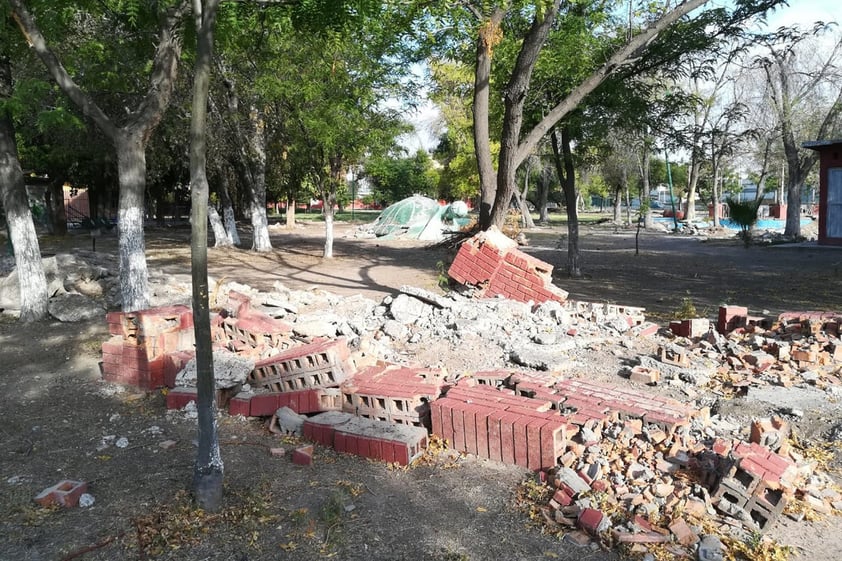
(131, 169)
(290, 214)
(220, 236)
(257, 153)
(129, 140)
(328, 253)
(33, 284)
(228, 212)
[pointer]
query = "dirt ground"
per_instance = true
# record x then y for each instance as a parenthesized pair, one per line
(60, 421)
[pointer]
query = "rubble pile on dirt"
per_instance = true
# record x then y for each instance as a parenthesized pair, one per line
(516, 381)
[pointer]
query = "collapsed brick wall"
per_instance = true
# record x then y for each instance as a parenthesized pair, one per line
(492, 262)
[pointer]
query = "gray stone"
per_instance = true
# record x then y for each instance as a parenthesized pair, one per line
(316, 325)
(711, 549)
(229, 370)
(75, 307)
(406, 309)
(289, 422)
(427, 296)
(395, 329)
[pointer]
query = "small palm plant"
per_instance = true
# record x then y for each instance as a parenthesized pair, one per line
(744, 214)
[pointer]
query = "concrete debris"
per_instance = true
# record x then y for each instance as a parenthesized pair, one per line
(623, 462)
(229, 370)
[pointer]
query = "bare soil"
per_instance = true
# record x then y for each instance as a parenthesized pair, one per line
(57, 411)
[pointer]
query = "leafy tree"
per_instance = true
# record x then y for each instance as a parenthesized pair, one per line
(131, 137)
(394, 178)
(33, 284)
(804, 89)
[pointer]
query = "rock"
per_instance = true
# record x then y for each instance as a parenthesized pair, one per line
(289, 422)
(316, 325)
(86, 500)
(70, 308)
(407, 309)
(122, 442)
(711, 549)
(395, 329)
(229, 370)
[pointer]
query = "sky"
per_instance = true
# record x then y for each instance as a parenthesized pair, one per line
(801, 12)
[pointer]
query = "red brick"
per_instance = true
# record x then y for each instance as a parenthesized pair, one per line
(590, 520)
(507, 439)
(303, 455)
(240, 406)
(264, 404)
(65, 493)
(494, 436)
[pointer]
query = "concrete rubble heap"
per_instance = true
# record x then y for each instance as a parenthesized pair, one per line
(622, 462)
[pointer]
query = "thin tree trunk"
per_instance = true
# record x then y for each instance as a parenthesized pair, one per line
(563, 158)
(131, 168)
(220, 236)
(228, 209)
(618, 205)
(329, 213)
(259, 220)
(33, 284)
(55, 206)
(645, 185)
(543, 193)
(523, 203)
(208, 471)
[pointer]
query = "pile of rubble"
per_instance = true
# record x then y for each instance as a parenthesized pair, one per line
(623, 461)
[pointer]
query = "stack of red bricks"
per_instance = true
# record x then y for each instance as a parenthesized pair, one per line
(492, 262)
(397, 394)
(378, 440)
(148, 347)
(501, 426)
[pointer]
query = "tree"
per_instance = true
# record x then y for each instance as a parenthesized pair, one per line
(805, 94)
(129, 139)
(33, 284)
(208, 471)
(395, 178)
(497, 186)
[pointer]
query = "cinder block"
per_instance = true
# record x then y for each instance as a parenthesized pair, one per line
(65, 493)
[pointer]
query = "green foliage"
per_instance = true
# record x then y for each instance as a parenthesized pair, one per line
(743, 213)
(687, 310)
(395, 178)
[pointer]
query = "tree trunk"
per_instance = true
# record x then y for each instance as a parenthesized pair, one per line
(524, 204)
(228, 210)
(290, 214)
(618, 205)
(55, 206)
(563, 158)
(208, 470)
(33, 284)
(220, 236)
(514, 98)
(543, 194)
(131, 168)
(645, 185)
(329, 212)
(257, 157)
(489, 35)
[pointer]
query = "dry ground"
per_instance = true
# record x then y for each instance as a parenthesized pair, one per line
(56, 412)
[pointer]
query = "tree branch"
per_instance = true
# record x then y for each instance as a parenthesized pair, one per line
(617, 60)
(36, 41)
